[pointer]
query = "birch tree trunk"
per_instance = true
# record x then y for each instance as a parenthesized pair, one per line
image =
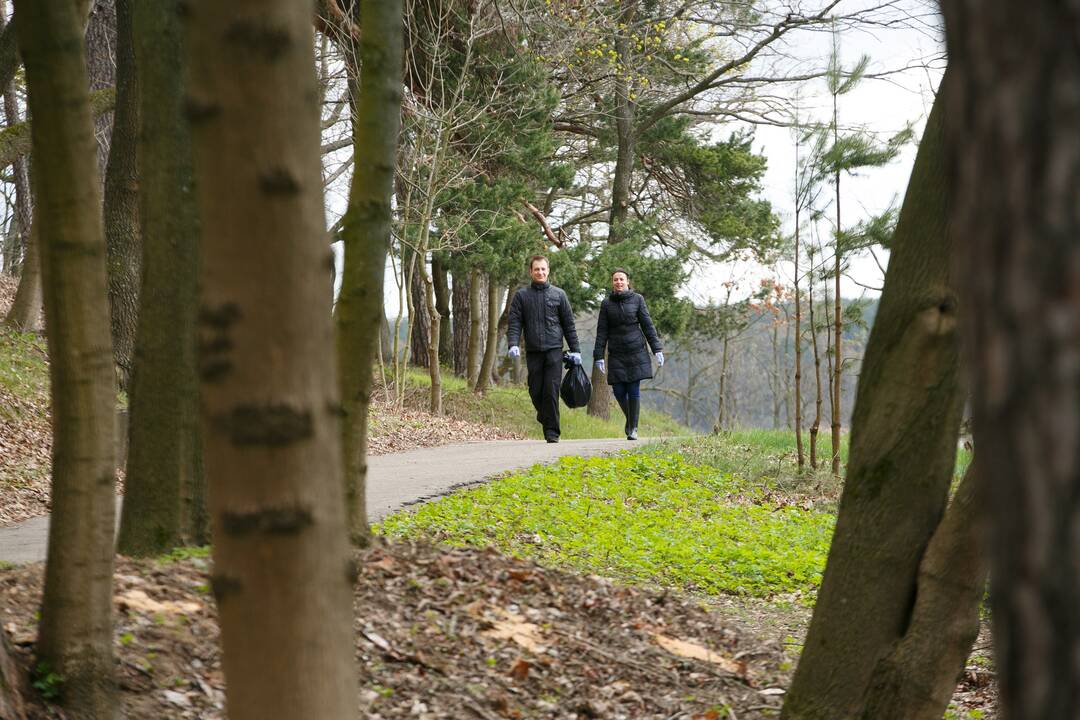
(75, 636)
(270, 399)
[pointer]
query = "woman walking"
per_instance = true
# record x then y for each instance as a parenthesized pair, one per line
(622, 329)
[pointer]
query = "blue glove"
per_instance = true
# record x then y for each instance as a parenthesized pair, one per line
(600, 367)
(575, 358)
(514, 351)
(660, 359)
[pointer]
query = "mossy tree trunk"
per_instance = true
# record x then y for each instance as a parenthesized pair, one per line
(917, 679)
(75, 635)
(366, 235)
(165, 496)
(270, 397)
(903, 450)
(1013, 126)
(121, 204)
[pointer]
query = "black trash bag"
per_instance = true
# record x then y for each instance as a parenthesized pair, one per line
(576, 387)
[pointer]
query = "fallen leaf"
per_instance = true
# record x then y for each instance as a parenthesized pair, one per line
(520, 669)
(512, 627)
(686, 649)
(139, 600)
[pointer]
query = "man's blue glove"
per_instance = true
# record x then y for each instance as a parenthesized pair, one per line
(514, 352)
(575, 358)
(600, 366)
(660, 359)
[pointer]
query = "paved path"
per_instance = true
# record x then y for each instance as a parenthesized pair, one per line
(394, 480)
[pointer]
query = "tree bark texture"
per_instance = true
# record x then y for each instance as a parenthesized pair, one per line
(25, 312)
(20, 171)
(101, 62)
(917, 679)
(439, 276)
(1012, 124)
(75, 635)
(121, 204)
(476, 324)
(420, 321)
(459, 296)
(903, 450)
(270, 398)
(366, 235)
(165, 496)
(483, 378)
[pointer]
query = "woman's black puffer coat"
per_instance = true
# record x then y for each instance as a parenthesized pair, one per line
(622, 328)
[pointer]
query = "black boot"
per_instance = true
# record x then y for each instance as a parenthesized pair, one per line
(634, 409)
(626, 414)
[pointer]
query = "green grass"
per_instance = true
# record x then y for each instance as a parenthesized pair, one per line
(24, 371)
(650, 517)
(509, 407)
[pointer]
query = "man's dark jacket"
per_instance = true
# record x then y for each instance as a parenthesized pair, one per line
(543, 310)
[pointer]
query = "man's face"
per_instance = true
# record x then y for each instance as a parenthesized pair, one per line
(539, 271)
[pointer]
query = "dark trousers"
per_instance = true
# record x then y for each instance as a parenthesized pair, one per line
(545, 371)
(626, 390)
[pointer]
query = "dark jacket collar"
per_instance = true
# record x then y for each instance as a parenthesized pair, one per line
(619, 296)
(540, 286)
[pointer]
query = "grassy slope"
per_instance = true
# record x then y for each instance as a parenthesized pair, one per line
(24, 411)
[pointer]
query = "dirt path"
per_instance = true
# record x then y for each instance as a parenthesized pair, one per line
(394, 481)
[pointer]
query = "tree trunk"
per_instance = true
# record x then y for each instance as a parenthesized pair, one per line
(12, 705)
(504, 365)
(121, 205)
(721, 405)
(366, 235)
(23, 198)
(1016, 230)
(270, 399)
(434, 369)
(777, 383)
(164, 491)
(903, 450)
(442, 304)
(25, 312)
(815, 427)
(460, 294)
(625, 109)
(798, 345)
(917, 679)
(419, 325)
(837, 363)
(75, 635)
(101, 61)
(484, 376)
(476, 318)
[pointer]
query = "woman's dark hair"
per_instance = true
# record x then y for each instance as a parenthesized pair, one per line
(620, 270)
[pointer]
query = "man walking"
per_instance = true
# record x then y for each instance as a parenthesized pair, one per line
(543, 312)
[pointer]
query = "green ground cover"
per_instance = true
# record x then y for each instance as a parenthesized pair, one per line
(24, 371)
(651, 516)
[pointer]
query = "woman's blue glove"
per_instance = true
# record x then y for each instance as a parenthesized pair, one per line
(600, 367)
(575, 358)
(660, 359)
(514, 351)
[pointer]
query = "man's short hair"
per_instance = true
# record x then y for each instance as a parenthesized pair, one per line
(535, 258)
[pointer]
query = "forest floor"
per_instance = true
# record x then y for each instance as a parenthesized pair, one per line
(444, 632)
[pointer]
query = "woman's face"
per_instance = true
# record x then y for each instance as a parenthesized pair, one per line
(619, 282)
